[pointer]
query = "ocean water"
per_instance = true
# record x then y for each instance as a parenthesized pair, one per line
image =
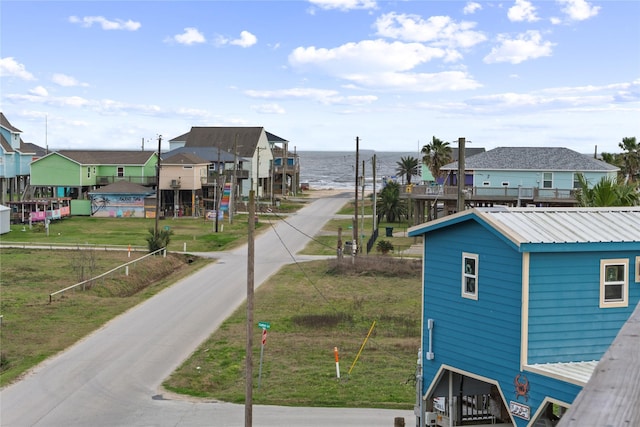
(336, 169)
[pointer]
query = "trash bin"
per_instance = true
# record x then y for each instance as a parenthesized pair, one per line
(348, 247)
(389, 231)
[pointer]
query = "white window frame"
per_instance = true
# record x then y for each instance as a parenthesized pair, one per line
(638, 269)
(505, 183)
(118, 169)
(469, 275)
(576, 179)
(88, 171)
(486, 183)
(624, 283)
(544, 180)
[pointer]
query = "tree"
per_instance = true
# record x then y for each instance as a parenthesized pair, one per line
(630, 158)
(160, 241)
(389, 204)
(607, 192)
(407, 167)
(435, 155)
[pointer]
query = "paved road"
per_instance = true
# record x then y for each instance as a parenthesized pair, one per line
(113, 377)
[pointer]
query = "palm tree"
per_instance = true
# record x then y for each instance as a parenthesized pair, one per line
(630, 158)
(389, 204)
(607, 192)
(435, 155)
(407, 167)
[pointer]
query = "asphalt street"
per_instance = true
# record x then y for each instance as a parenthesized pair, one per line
(113, 377)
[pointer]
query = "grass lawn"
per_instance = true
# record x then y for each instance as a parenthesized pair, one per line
(198, 235)
(32, 329)
(312, 308)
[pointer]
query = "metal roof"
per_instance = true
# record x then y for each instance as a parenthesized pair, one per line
(577, 373)
(566, 225)
(551, 225)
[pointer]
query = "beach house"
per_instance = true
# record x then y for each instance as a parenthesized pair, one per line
(518, 306)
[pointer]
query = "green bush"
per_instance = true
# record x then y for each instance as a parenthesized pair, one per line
(384, 246)
(159, 241)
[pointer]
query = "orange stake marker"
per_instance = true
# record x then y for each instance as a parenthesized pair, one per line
(335, 353)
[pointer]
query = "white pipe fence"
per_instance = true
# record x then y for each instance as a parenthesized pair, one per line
(126, 266)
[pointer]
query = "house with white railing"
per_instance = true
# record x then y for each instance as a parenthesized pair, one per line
(513, 176)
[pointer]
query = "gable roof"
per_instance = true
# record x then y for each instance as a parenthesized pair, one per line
(538, 229)
(5, 124)
(30, 148)
(533, 158)
(210, 154)
(6, 146)
(107, 157)
(242, 140)
(185, 159)
(274, 138)
(123, 187)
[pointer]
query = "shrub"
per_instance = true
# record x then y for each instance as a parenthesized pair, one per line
(384, 247)
(160, 241)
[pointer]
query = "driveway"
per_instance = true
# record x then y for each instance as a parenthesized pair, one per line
(113, 377)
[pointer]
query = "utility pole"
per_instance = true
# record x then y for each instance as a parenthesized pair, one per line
(218, 188)
(234, 180)
(248, 402)
(362, 207)
(155, 235)
(461, 177)
(355, 223)
(285, 159)
(375, 216)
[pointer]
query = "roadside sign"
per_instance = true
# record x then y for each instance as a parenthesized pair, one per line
(264, 325)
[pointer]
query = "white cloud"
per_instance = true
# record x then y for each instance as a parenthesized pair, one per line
(39, 91)
(579, 10)
(365, 56)
(380, 65)
(189, 36)
(9, 67)
(526, 46)
(436, 30)
(67, 81)
(344, 5)
(471, 8)
(523, 10)
(417, 82)
(319, 95)
(246, 40)
(268, 109)
(106, 24)
(322, 96)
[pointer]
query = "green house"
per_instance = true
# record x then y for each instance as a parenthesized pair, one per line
(73, 173)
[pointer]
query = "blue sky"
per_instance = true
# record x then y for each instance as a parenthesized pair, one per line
(319, 73)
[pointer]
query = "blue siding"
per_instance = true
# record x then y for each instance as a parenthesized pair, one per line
(566, 323)
(489, 328)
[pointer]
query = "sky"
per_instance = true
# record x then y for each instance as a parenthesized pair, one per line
(319, 73)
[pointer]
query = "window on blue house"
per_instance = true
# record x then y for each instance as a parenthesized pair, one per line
(547, 180)
(638, 269)
(470, 275)
(614, 286)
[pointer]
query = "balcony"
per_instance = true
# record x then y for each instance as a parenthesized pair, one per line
(140, 180)
(493, 194)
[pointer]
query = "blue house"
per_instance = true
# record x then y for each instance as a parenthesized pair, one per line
(519, 304)
(15, 159)
(542, 171)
